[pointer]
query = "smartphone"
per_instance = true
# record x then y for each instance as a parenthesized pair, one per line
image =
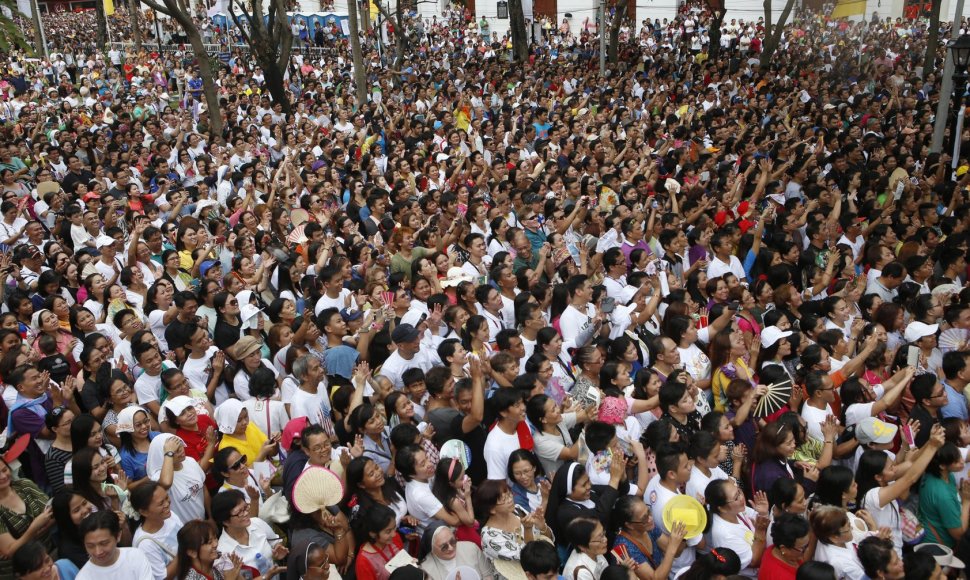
(907, 434)
(609, 305)
(900, 186)
(912, 356)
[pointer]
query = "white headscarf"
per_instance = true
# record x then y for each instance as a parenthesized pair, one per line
(156, 453)
(227, 415)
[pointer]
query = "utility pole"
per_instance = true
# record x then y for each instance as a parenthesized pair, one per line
(360, 76)
(600, 28)
(946, 90)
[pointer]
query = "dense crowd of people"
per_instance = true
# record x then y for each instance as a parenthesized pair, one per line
(698, 318)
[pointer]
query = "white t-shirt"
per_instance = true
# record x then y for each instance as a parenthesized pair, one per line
(813, 419)
(575, 326)
(738, 537)
(395, 365)
(340, 302)
(886, 516)
(309, 405)
(130, 565)
(156, 322)
(197, 370)
(186, 493)
(147, 388)
(422, 504)
(698, 481)
(656, 497)
(160, 547)
(498, 446)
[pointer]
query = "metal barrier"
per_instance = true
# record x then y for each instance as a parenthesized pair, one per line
(213, 49)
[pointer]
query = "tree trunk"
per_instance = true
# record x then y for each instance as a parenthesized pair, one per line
(520, 42)
(38, 30)
(932, 40)
(613, 48)
(714, 48)
(102, 24)
(208, 83)
(133, 14)
(177, 11)
(360, 76)
(773, 31)
(364, 7)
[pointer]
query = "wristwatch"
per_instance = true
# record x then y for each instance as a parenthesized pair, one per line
(169, 454)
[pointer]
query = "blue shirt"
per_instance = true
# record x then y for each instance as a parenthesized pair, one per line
(956, 405)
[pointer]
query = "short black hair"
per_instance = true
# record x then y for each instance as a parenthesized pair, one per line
(100, 520)
(538, 557)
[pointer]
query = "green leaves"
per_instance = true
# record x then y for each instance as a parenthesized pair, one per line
(11, 33)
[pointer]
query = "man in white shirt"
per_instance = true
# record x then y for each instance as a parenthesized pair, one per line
(503, 439)
(580, 321)
(100, 532)
(490, 303)
(724, 261)
(108, 265)
(673, 471)
(821, 392)
(408, 355)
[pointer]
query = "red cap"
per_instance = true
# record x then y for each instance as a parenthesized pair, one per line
(292, 431)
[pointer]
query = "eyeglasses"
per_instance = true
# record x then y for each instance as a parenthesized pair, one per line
(938, 395)
(797, 549)
(239, 464)
(598, 540)
(240, 512)
(123, 391)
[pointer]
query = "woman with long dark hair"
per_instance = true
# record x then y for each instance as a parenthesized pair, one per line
(367, 484)
(69, 508)
(376, 531)
(157, 535)
(837, 487)
(879, 495)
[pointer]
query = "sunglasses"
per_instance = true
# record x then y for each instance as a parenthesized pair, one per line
(449, 544)
(239, 464)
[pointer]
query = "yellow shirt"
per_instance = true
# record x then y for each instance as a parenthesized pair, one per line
(249, 446)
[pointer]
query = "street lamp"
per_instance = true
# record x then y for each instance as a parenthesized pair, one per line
(960, 53)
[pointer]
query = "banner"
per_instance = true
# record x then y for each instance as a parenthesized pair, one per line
(109, 7)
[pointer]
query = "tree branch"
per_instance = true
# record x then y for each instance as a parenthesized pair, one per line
(242, 29)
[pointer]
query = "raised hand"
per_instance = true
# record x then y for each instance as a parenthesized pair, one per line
(677, 532)
(760, 503)
(739, 452)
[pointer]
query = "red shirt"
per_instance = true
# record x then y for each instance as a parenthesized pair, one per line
(773, 568)
(195, 442)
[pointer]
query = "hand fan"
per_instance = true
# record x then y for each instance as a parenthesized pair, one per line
(953, 339)
(299, 216)
(774, 399)
(297, 236)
